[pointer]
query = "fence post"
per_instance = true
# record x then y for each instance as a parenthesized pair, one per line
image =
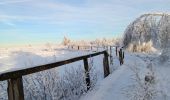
(78, 47)
(111, 61)
(121, 56)
(106, 65)
(116, 50)
(87, 76)
(15, 89)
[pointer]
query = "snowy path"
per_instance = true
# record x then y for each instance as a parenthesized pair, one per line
(111, 88)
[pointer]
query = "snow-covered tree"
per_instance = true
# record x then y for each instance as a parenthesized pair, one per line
(147, 28)
(66, 41)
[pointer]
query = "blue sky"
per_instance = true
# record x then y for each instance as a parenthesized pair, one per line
(41, 21)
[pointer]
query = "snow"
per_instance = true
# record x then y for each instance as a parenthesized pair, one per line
(113, 87)
(110, 87)
(152, 27)
(15, 59)
(117, 84)
(66, 77)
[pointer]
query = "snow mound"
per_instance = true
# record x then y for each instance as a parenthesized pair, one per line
(151, 27)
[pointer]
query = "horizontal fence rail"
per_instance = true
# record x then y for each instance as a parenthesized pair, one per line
(88, 47)
(94, 48)
(14, 78)
(118, 50)
(18, 73)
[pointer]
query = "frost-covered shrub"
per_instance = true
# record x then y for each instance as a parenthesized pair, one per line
(49, 85)
(144, 47)
(40, 85)
(98, 42)
(93, 73)
(105, 42)
(144, 88)
(3, 90)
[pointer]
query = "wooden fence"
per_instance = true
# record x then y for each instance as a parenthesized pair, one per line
(109, 48)
(14, 78)
(86, 47)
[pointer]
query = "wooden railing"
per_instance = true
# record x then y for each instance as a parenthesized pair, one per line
(109, 48)
(14, 78)
(87, 47)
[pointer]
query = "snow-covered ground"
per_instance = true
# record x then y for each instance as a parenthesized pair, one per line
(112, 87)
(121, 84)
(25, 57)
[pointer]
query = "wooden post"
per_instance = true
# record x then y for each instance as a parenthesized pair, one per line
(15, 89)
(116, 50)
(86, 67)
(110, 49)
(78, 47)
(91, 48)
(111, 55)
(121, 56)
(106, 65)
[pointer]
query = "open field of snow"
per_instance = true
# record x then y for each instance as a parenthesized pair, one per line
(121, 84)
(25, 57)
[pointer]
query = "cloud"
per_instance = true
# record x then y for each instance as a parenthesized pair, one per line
(9, 23)
(91, 13)
(20, 17)
(97, 12)
(12, 1)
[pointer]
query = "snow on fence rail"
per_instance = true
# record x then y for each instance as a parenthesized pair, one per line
(14, 78)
